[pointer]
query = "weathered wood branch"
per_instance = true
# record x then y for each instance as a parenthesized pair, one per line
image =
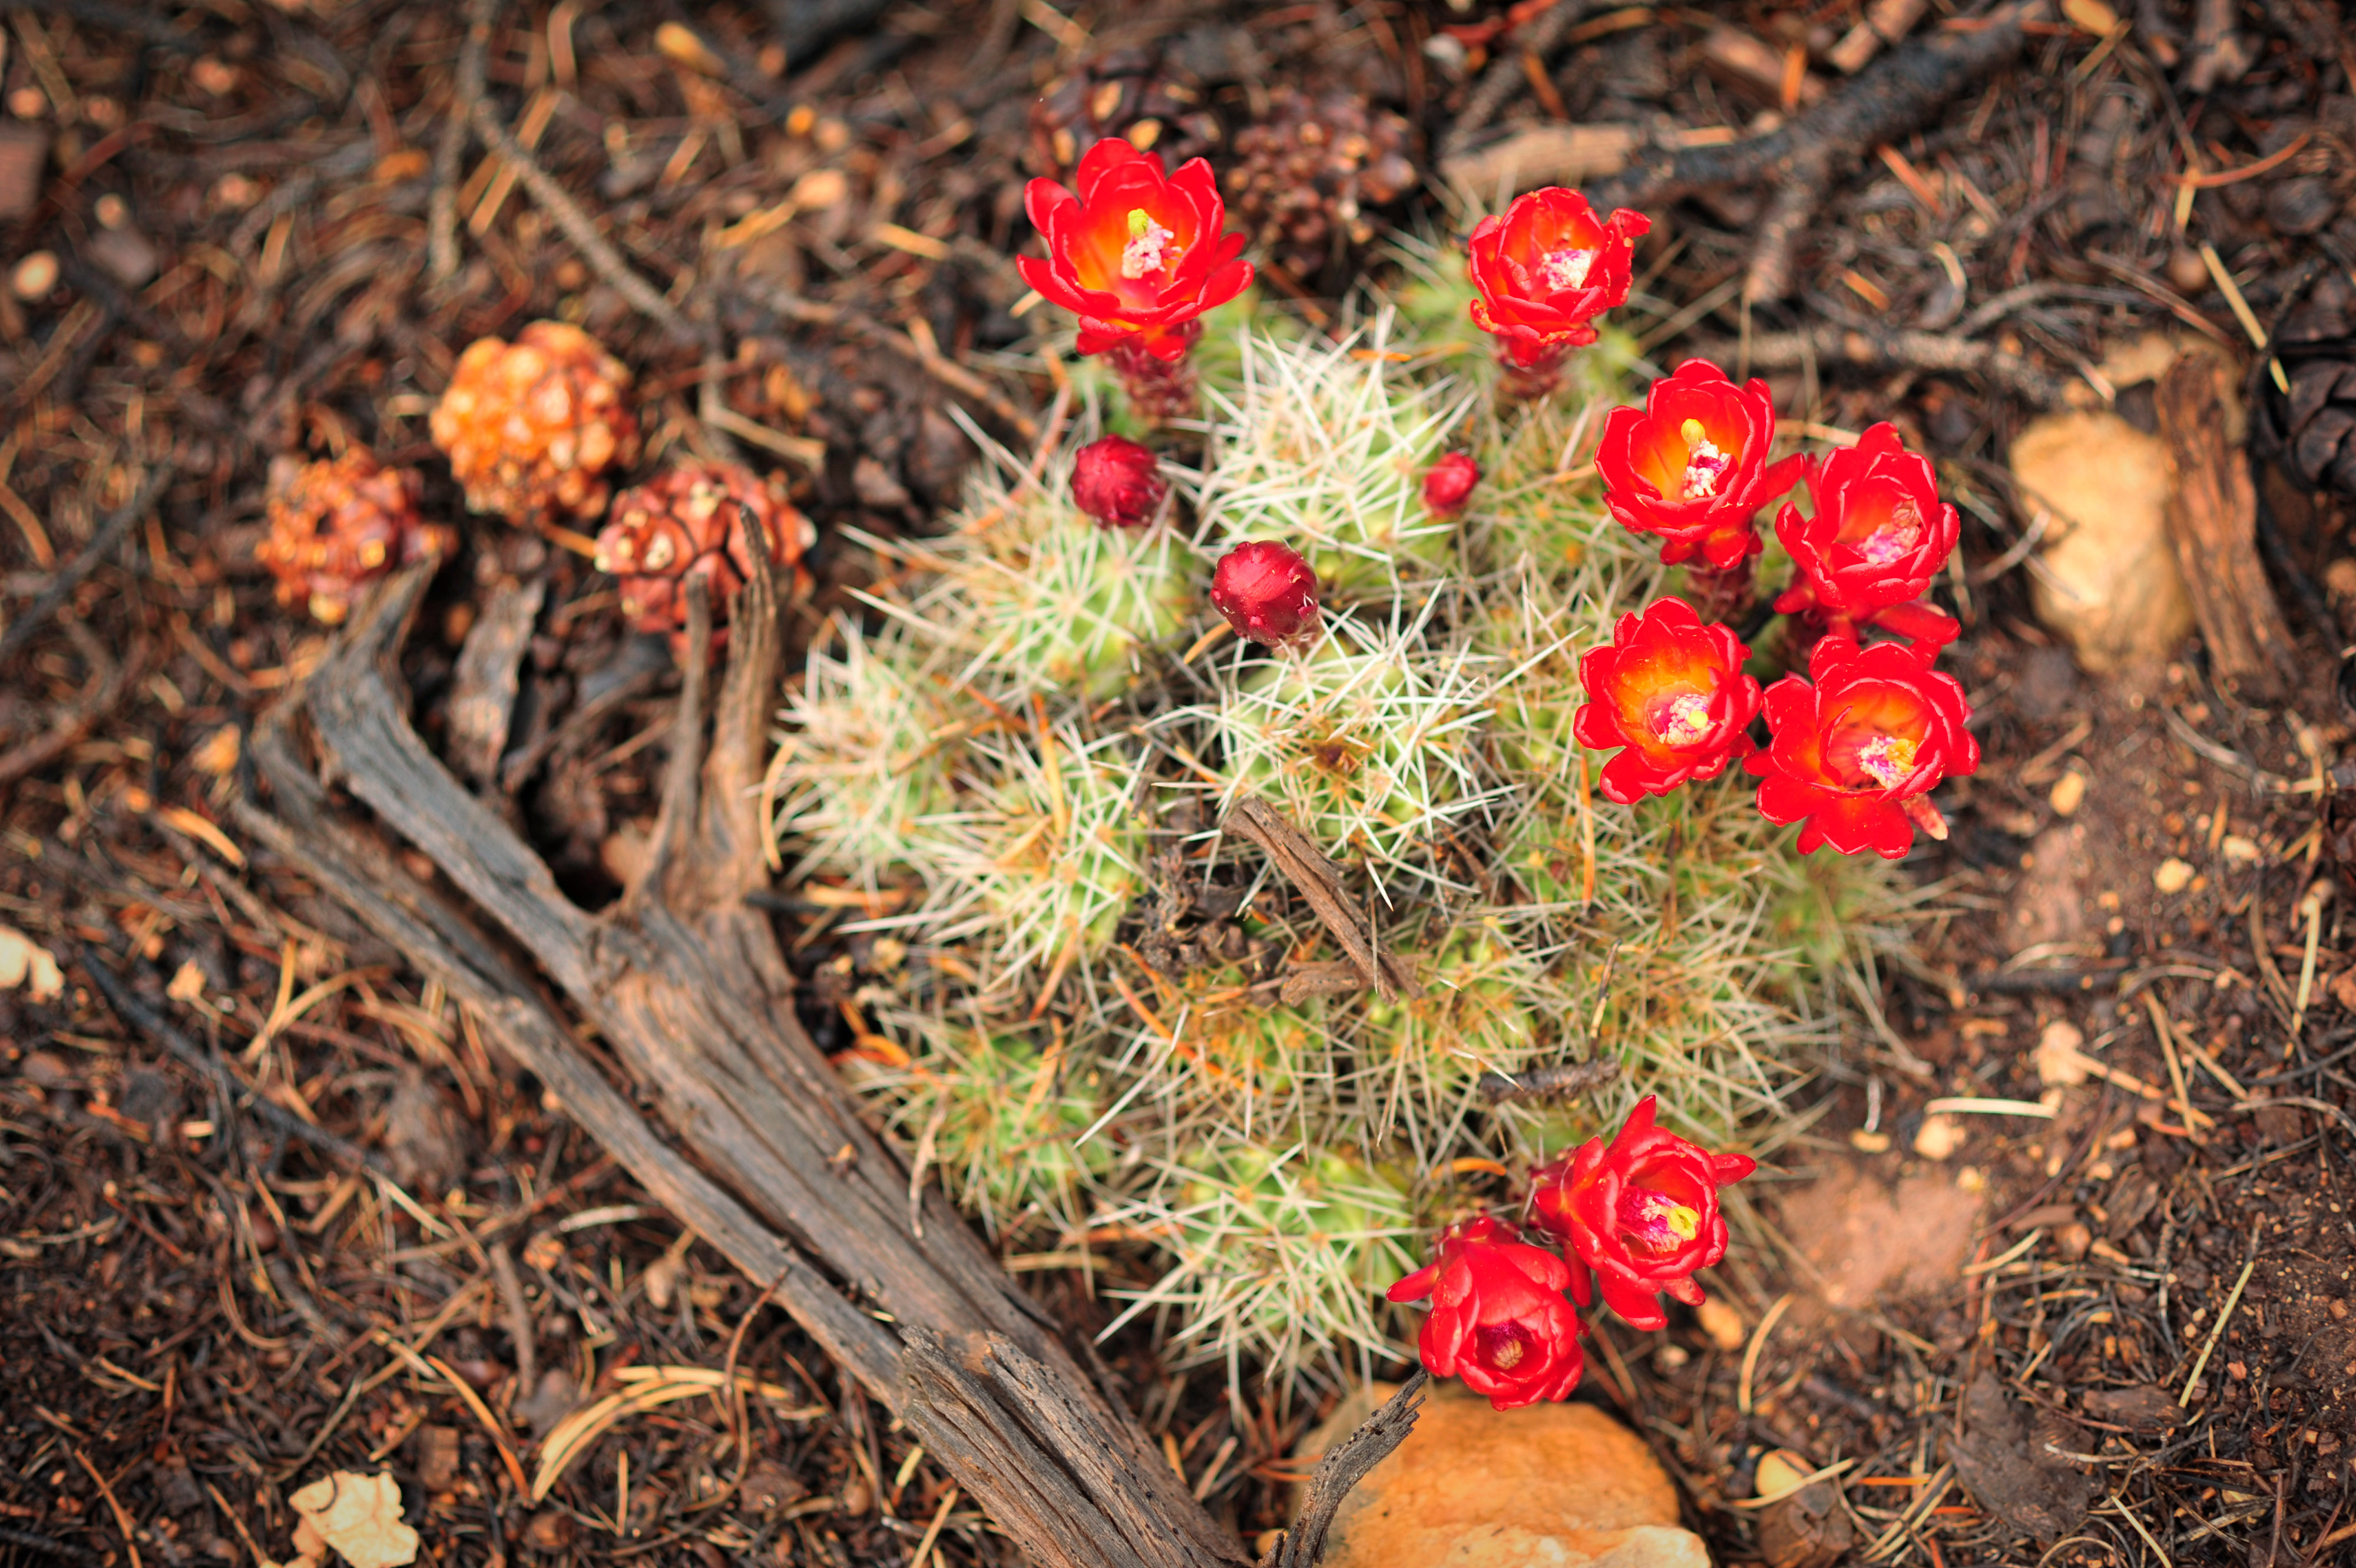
(1798, 162)
(1343, 1468)
(684, 982)
(2213, 523)
(985, 1408)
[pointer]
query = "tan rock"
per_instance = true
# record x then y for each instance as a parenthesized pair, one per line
(1551, 1486)
(2108, 580)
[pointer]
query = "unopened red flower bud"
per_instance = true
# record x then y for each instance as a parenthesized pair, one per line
(1268, 593)
(1115, 481)
(1448, 484)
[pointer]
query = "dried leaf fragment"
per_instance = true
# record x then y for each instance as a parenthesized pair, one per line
(24, 962)
(359, 1518)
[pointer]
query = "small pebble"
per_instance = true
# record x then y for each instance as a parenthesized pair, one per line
(2172, 875)
(35, 275)
(1720, 1324)
(2239, 850)
(1940, 1137)
(1780, 1473)
(2069, 793)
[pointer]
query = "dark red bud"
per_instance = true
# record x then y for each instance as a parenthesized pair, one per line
(1268, 593)
(1114, 480)
(1448, 484)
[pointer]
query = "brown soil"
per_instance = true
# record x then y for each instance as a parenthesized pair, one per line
(197, 1307)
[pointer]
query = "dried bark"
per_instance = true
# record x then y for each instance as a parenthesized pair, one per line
(2212, 519)
(1377, 1437)
(683, 981)
(1893, 97)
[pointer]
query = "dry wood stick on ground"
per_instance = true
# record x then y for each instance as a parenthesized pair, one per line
(1893, 97)
(684, 982)
(2212, 519)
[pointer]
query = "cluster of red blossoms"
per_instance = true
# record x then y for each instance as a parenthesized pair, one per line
(1634, 1219)
(1859, 744)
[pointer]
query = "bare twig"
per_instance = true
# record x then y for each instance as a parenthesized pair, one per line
(70, 576)
(442, 209)
(1341, 1469)
(519, 1330)
(1829, 342)
(1896, 94)
(578, 226)
(2213, 508)
(1319, 881)
(1506, 75)
(939, 366)
(146, 23)
(157, 1028)
(112, 679)
(1564, 1080)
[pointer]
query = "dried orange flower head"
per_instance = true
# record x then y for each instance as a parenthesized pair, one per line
(530, 427)
(690, 521)
(337, 525)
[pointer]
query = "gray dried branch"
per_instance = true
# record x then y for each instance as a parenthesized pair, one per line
(111, 533)
(1343, 1468)
(1894, 96)
(442, 207)
(1827, 342)
(578, 226)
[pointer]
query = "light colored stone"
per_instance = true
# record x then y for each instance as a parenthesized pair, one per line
(1549, 1485)
(2068, 794)
(1939, 1136)
(2108, 580)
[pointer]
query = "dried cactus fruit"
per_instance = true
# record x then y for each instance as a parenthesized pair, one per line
(1304, 181)
(337, 525)
(530, 427)
(1125, 93)
(689, 521)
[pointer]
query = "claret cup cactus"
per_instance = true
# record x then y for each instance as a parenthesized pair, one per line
(1500, 692)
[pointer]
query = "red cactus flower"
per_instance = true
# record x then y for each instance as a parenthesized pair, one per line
(1448, 484)
(1641, 1213)
(1136, 254)
(1671, 691)
(1856, 755)
(1268, 593)
(1880, 533)
(1691, 467)
(1116, 481)
(1497, 1315)
(1547, 268)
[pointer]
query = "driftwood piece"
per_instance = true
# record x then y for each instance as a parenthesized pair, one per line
(683, 981)
(1543, 154)
(1319, 881)
(1829, 342)
(1798, 163)
(1377, 1437)
(983, 1407)
(2212, 519)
